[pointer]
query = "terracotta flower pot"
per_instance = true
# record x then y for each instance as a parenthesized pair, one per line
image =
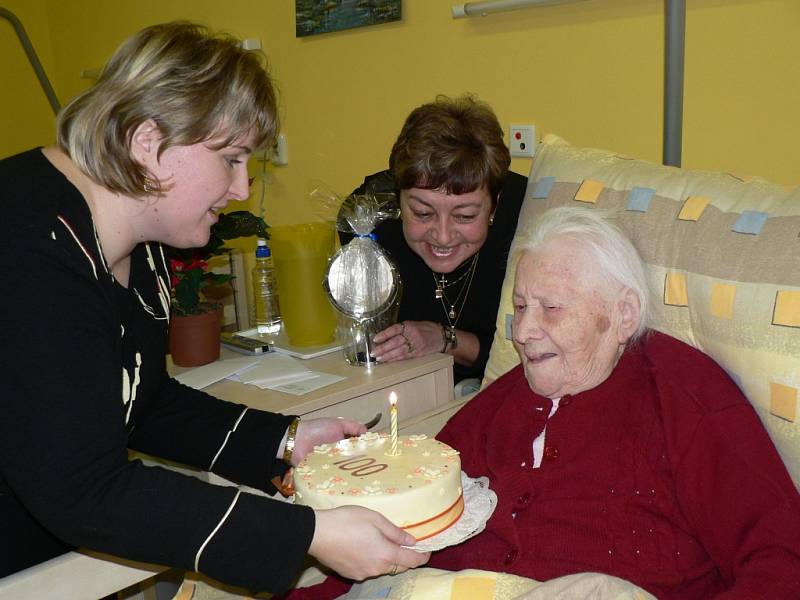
(194, 339)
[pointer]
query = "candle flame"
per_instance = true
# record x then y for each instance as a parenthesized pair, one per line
(393, 398)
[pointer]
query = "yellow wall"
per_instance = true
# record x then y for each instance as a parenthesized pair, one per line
(591, 72)
(742, 109)
(26, 118)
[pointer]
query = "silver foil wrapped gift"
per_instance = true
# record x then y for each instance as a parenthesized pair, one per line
(362, 283)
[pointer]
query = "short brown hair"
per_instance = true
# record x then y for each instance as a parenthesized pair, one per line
(193, 84)
(454, 145)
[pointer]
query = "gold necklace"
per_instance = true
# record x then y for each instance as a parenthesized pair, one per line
(442, 283)
(451, 315)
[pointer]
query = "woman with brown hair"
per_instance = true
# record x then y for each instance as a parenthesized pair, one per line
(459, 206)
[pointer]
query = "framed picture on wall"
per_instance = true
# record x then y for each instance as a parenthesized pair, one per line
(323, 16)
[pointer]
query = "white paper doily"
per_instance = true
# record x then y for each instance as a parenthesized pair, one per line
(479, 504)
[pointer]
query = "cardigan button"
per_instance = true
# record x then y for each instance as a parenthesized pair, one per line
(510, 557)
(550, 452)
(524, 499)
(565, 401)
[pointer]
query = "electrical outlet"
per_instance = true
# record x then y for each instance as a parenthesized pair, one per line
(251, 44)
(277, 154)
(280, 151)
(522, 140)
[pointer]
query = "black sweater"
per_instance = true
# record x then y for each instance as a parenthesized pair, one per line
(84, 379)
(480, 308)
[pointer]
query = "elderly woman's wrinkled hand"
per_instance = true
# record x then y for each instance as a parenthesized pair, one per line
(408, 339)
(359, 543)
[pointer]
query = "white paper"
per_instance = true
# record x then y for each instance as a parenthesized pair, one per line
(201, 377)
(275, 382)
(304, 386)
(272, 369)
(306, 352)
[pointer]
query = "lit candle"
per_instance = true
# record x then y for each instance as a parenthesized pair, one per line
(393, 416)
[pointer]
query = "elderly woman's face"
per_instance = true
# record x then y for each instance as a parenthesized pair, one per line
(566, 320)
(445, 229)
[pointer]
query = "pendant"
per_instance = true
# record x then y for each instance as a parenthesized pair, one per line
(452, 313)
(440, 283)
(439, 292)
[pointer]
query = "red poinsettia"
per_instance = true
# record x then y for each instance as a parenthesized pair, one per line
(189, 268)
(188, 280)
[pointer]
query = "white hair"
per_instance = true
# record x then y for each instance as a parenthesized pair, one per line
(610, 250)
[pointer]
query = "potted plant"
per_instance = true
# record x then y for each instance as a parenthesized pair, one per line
(196, 315)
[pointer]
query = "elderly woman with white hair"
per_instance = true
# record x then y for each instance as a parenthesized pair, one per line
(617, 449)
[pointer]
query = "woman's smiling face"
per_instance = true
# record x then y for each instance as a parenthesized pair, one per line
(445, 229)
(566, 320)
(199, 180)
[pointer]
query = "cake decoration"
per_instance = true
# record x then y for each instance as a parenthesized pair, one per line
(418, 489)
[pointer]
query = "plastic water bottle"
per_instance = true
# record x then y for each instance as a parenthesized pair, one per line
(265, 293)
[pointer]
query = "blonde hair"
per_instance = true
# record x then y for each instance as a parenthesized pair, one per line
(193, 84)
(610, 250)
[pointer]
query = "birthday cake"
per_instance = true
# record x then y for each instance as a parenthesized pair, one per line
(418, 489)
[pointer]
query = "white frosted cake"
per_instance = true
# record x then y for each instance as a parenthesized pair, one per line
(418, 490)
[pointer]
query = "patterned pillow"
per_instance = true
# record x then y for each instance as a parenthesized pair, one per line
(426, 583)
(723, 253)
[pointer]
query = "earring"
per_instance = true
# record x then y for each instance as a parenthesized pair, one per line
(491, 220)
(148, 186)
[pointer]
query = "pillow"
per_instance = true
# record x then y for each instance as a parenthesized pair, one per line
(723, 254)
(426, 583)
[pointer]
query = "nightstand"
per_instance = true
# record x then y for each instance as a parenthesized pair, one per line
(421, 384)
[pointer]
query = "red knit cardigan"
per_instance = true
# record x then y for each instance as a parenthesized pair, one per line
(662, 475)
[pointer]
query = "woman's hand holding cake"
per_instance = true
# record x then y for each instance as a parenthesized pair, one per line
(374, 545)
(314, 432)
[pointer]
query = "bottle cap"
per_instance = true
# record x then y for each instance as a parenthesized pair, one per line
(262, 250)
